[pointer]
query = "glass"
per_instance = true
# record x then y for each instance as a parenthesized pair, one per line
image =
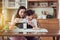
(25, 25)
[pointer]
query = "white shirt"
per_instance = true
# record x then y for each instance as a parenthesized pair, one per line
(34, 21)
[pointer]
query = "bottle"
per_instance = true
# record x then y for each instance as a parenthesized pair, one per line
(24, 24)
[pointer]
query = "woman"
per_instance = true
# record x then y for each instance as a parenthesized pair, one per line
(15, 19)
(18, 17)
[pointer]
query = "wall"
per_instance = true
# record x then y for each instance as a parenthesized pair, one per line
(39, 11)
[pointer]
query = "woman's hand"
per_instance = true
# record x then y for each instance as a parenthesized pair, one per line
(11, 27)
(29, 22)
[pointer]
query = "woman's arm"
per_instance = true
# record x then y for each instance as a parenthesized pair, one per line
(11, 26)
(14, 21)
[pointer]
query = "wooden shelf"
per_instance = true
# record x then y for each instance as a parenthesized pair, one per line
(40, 7)
(44, 4)
(42, 0)
(48, 24)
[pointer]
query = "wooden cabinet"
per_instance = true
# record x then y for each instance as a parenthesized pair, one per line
(50, 24)
(44, 5)
(15, 4)
(42, 0)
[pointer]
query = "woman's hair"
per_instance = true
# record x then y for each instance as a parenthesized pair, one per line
(30, 12)
(17, 15)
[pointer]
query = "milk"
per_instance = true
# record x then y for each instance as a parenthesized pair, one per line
(24, 25)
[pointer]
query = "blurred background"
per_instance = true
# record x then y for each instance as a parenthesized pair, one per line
(44, 9)
(41, 7)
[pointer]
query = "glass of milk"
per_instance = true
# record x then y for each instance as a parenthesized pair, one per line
(25, 25)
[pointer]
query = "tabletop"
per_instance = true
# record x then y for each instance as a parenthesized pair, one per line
(51, 33)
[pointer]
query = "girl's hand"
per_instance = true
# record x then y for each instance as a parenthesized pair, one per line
(29, 22)
(36, 28)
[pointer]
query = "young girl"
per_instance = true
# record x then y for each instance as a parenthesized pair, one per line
(15, 19)
(31, 22)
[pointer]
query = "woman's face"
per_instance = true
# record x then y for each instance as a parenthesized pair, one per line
(21, 12)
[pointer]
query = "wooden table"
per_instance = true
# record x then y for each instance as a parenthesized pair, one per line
(48, 34)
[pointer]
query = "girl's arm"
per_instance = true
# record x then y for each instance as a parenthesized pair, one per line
(33, 23)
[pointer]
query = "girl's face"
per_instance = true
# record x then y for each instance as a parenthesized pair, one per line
(21, 12)
(29, 17)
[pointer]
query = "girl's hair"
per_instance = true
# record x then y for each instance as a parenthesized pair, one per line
(30, 12)
(17, 15)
